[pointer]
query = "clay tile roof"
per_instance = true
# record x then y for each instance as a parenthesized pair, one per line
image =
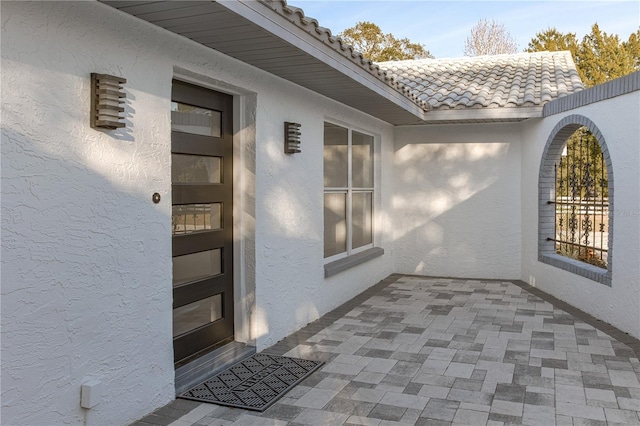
(522, 79)
(296, 16)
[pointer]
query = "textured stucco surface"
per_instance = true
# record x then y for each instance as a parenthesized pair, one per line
(617, 120)
(86, 269)
(290, 286)
(456, 201)
(86, 255)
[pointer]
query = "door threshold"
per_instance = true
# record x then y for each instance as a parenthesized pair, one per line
(210, 364)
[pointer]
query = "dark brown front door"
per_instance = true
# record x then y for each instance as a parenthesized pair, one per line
(202, 219)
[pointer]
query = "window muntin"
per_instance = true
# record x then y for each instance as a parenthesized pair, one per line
(348, 192)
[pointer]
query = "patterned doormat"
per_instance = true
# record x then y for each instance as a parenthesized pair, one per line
(255, 383)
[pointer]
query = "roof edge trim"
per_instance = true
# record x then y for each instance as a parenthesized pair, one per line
(329, 49)
(610, 89)
(517, 113)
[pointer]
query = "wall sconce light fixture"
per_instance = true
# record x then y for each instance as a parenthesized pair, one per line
(292, 137)
(107, 100)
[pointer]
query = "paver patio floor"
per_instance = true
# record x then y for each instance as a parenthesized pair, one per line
(435, 351)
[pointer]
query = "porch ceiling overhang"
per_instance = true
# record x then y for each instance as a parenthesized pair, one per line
(261, 34)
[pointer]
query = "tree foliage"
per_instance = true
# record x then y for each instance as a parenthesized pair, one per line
(599, 57)
(632, 46)
(553, 40)
(368, 39)
(489, 38)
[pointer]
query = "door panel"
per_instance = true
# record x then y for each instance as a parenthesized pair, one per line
(197, 193)
(197, 144)
(202, 219)
(198, 291)
(197, 242)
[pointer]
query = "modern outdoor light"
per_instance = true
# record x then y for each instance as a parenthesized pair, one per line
(107, 100)
(292, 137)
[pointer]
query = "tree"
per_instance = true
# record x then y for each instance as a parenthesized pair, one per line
(603, 57)
(633, 47)
(489, 38)
(599, 57)
(553, 40)
(368, 39)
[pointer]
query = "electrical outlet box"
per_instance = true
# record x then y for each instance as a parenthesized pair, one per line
(90, 393)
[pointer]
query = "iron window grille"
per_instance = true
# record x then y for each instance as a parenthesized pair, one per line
(581, 201)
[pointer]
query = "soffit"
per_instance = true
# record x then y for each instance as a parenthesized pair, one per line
(280, 40)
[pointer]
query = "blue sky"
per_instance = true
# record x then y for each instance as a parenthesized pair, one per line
(443, 26)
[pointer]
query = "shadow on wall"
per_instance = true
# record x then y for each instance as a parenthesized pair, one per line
(86, 266)
(86, 288)
(457, 210)
(291, 243)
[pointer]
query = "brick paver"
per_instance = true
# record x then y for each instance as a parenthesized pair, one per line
(418, 351)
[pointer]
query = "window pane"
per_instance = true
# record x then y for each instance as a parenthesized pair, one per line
(362, 160)
(361, 219)
(191, 119)
(196, 314)
(335, 156)
(335, 223)
(195, 169)
(187, 218)
(196, 266)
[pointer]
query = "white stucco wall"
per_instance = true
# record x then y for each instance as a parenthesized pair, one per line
(290, 286)
(619, 305)
(456, 201)
(86, 255)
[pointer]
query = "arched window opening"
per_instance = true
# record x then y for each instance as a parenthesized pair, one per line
(576, 196)
(582, 201)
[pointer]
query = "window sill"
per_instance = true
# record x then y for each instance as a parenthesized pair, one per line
(603, 276)
(337, 266)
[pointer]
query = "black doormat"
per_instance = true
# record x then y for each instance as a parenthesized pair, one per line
(255, 383)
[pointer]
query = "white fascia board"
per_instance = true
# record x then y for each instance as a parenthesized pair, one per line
(503, 113)
(263, 16)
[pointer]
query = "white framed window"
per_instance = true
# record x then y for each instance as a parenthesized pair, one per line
(349, 191)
